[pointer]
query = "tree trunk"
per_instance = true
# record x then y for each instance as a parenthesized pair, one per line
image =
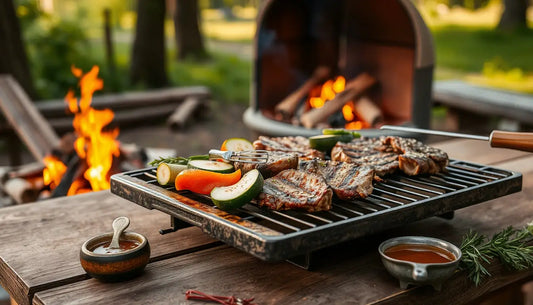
(189, 41)
(514, 15)
(148, 58)
(13, 59)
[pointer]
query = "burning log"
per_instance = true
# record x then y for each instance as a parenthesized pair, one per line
(286, 108)
(353, 89)
(368, 111)
(185, 112)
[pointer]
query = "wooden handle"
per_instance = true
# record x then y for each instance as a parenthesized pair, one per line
(514, 140)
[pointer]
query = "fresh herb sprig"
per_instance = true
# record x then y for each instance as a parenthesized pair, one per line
(177, 160)
(508, 246)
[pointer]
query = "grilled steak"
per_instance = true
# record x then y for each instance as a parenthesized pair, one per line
(298, 145)
(388, 154)
(347, 180)
(416, 158)
(277, 161)
(367, 152)
(296, 189)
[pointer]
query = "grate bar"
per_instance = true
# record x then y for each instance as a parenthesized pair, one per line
(405, 191)
(415, 187)
(394, 194)
(430, 184)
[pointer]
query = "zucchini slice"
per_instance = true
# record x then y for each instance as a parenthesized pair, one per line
(237, 144)
(212, 166)
(326, 142)
(235, 196)
(166, 173)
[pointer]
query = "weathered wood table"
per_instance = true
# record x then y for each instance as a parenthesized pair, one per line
(39, 260)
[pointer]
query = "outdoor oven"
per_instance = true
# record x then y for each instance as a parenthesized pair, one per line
(384, 39)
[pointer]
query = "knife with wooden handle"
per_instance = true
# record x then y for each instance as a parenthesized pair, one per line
(498, 138)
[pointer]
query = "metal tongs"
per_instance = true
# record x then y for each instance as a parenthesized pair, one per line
(498, 138)
(249, 156)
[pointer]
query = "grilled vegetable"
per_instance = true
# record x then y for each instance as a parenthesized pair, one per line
(237, 144)
(326, 142)
(166, 173)
(236, 195)
(212, 166)
(203, 182)
(341, 131)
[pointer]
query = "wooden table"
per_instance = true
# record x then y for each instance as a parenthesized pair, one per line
(40, 243)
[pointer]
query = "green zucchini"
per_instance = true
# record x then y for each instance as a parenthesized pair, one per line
(166, 173)
(212, 166)
(235, 196)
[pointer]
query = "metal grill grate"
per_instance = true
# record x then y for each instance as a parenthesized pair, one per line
(277, 235)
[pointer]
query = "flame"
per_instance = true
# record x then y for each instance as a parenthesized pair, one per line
(53, 171)
(95, 146)
(327, 91)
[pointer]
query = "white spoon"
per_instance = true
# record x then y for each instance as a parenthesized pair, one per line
(119, 225)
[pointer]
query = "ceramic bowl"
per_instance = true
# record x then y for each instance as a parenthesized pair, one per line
(419, 274)
(113, 267)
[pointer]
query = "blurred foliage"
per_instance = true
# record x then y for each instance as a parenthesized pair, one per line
(227, 76)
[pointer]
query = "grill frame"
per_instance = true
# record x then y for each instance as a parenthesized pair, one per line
(464, 184)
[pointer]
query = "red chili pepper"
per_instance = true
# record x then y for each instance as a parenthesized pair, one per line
(231, 300)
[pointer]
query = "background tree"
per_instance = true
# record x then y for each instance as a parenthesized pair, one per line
(13, 59)
(189, 40)
(514, 15)
(148, 58)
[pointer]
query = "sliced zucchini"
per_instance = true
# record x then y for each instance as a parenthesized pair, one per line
(212, 166)
(235, 196)
(340, 131)
(166, 173)
(237, 144)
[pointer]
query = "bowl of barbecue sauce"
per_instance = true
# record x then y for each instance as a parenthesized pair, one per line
(419, 260)
(108, 264)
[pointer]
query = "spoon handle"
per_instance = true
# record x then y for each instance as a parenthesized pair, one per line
(119, 225)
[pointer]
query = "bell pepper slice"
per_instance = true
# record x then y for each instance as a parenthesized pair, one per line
(202, 181)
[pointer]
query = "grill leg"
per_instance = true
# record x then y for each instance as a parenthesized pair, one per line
(175, 224)
(302, 261)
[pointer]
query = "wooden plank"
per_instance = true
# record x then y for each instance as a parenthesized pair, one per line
(41, 241)
(481, 100)
(128, 100)
(350, 273)
(29, 124)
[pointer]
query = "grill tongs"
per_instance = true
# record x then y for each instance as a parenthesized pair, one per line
(497, 138)
(249, 156)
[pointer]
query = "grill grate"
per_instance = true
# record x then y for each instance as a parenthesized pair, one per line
(277, 235)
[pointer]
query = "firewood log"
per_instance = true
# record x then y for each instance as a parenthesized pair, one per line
(353, 89)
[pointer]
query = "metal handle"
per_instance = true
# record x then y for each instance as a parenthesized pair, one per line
(514, 140)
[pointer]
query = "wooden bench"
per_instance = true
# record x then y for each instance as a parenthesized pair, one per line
(474, 105)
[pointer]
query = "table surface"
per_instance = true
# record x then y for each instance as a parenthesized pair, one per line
(39, 253)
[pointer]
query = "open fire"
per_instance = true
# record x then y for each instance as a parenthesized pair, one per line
(94, 147)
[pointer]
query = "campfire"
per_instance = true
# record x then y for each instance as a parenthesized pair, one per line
(86, 165)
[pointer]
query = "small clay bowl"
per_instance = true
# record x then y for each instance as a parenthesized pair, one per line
(114, 267)
(416, 273)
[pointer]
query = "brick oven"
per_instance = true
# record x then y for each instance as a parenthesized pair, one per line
(382, 49)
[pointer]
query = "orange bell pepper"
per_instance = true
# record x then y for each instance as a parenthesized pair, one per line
(202, 182)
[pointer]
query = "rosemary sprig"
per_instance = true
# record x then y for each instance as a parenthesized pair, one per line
(508, 246)
(177, 160)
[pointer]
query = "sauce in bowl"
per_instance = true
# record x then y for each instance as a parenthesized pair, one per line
(420, 253)
(103, 248)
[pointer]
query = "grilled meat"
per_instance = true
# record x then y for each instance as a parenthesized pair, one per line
(298, 145)
(416, 158)
(347, 180)
(296, 189)
(367, 152)
(388, 154)
(277, 162)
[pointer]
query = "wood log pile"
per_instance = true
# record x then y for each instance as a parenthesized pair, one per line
(293, 110)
